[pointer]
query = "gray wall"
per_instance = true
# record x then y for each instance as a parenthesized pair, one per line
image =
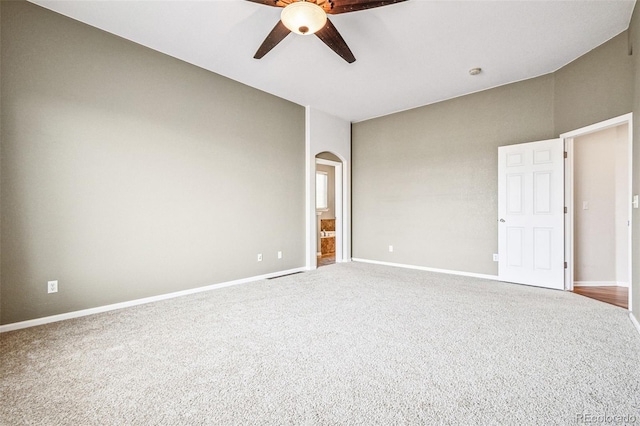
(329, 156)
(594, 87)
(1, 138)
(425, 180)
(126, 173)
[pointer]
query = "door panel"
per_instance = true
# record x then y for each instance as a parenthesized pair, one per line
(542, 193)
(515, 242)
(542, 249)
(531, 213)
(515, 193)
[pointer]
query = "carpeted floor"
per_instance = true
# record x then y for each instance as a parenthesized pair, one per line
(345, 344)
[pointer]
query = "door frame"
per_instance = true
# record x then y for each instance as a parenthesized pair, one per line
(568, 193)
(340, 240)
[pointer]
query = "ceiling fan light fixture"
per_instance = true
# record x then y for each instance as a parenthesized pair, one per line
(303, 17)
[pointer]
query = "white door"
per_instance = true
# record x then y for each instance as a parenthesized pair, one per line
(531, 213)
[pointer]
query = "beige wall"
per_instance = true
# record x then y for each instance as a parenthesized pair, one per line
(425, 180)
(126, 173)
(601, 207)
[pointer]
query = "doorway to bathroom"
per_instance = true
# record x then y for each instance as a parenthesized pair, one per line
(328, 207)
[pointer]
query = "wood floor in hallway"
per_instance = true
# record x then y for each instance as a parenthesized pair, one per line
(618, 296)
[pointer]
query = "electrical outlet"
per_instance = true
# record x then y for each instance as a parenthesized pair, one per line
(279, 255)
(259, 257)
(496, 258)
(52, 286)
(390, 249)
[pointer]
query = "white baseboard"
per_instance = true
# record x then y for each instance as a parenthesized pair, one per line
(130, 303)
(634, 321)
(600, 284)
(425, 268)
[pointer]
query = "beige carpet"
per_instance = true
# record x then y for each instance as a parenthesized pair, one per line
(346, 344)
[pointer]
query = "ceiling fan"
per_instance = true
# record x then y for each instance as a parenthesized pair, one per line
(310, 17)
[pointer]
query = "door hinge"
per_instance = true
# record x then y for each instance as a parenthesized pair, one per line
(565, 210)
(565, 265)
(565, 154)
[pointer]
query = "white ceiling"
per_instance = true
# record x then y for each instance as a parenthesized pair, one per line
(408, 54)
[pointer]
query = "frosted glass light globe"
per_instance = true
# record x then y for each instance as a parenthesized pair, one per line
(303, 17)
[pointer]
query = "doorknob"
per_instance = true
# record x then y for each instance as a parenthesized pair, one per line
(502, 220)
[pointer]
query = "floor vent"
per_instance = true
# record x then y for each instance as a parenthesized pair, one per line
(285, 275)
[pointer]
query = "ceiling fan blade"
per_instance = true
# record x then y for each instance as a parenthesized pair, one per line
(277, 34)
(332, 38)
(274, 3)
(344, 6)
